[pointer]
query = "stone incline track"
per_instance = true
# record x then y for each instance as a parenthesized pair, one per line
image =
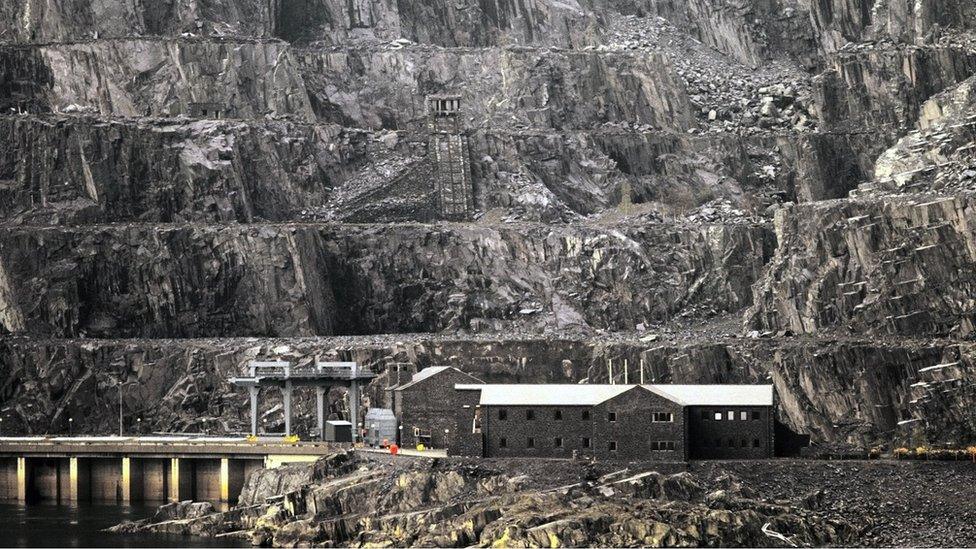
(714, 192)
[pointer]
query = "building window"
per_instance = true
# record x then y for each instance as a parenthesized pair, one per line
(557, 415)
(662, 445)
(503, 442)
(731, 415)
(731, 443)
(586, 442)
(755, 443)
(612, 416)
(743, 415)
(530, 443)
(502, 414)
(558, 442)
(743, 444)
(585, 416)
(662, 417)
(530, 414)
(612, 445)
(756, 414)
(718, 416)
(704, 415)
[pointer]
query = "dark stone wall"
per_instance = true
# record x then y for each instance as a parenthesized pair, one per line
(730, 439)
(430, 406)
(466, 442)
(543, 429)
(633, 431)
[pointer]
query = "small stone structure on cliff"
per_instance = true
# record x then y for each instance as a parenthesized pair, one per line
(448, 151)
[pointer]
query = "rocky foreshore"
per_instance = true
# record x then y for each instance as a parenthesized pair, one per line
(348, 499)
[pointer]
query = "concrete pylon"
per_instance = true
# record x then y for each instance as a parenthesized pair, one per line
(354, 409)
(320, 410)
(180, 479)
(22, 480)
(79, 480)
(132, 481)
(224, 480)
(254, 409)
(286, 397)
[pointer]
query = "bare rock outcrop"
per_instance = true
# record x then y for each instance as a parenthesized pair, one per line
(891, 266)
(452, 504)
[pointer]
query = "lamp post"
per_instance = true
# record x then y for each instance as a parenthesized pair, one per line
(120, 408)
(121, 385)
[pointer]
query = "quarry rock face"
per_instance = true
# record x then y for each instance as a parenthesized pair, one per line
(766, 191)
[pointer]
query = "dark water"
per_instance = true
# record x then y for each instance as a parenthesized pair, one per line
(53, 525)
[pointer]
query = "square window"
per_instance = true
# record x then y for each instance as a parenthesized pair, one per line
(755, 443)
(530, 443)
(503, 442)
(585, 416)
(557, 415)
(502, 414)
(671, 445)
(743, 444)
(586, 442)
(558, 442)
(530, 414)
(731, 415)
(612, 445)
(718, 416)
(756, 414)
(731, 443)
(612, 416)
(743, 415)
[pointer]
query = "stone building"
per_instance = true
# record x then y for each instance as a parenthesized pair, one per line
(425, 405)
(625, 422)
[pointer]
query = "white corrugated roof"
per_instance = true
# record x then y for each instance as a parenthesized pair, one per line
(590, 394)
(426, 373)
(720, 395)
(422, 375)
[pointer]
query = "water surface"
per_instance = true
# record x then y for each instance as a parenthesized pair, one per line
(51, 525)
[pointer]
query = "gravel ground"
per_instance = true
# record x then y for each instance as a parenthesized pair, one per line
(912, 503)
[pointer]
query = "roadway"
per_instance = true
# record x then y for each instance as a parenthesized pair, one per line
(165, 445)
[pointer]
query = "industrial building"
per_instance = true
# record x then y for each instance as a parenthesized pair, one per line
(425, 405)
(625, 422)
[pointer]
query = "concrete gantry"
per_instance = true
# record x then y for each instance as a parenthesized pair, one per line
(322, 376)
